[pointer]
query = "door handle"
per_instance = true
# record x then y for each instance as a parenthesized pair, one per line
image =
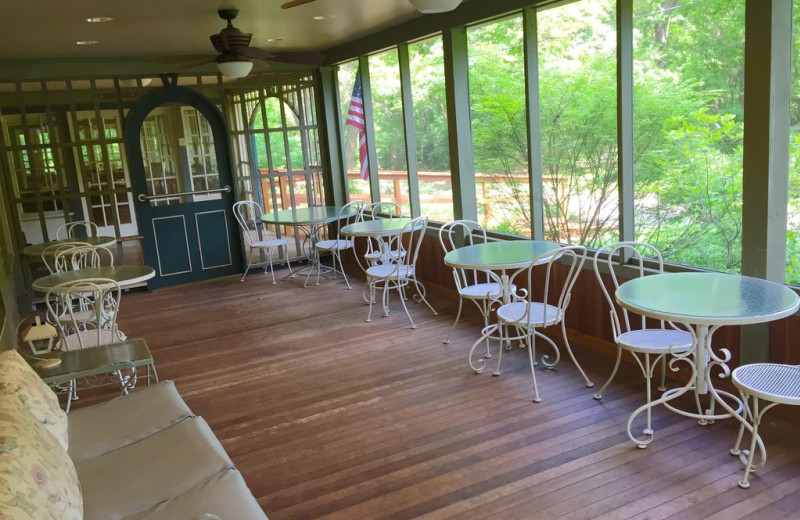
(144, 198)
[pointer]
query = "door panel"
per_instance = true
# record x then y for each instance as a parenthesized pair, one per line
(214, 239)
(179, 158)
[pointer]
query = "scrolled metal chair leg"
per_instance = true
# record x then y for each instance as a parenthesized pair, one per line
(531, 345)
(458, 315)
(599, 394)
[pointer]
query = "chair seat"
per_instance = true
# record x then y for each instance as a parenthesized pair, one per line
(389, 271)
(540, 314)
(377, 255)
(482, 291)
(272, 242)
(770, 381)
(330, 245)
(655, 341)
(91, 338)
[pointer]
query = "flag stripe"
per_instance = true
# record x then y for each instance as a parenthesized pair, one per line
(355, 118)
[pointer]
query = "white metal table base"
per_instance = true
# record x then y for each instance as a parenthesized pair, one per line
(705, 359)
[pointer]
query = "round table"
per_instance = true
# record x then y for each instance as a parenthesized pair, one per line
(382, 227)
(313, 217)
(124, 275)
(511, 255)
(505, 256)
(100, 241)
(704, 302)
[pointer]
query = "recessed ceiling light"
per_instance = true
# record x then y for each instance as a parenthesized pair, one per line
(274, 39)
(325, 17)
(100, 19)
(87, 42)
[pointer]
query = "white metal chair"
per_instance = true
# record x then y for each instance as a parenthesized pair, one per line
(52, 252)
(248, 215)
(526, 315)
(85, 313)
(771, 382)
(648, 346)
(475, 286)
(402, 272)
(82, 256)
(349, 213)
(70, 229)
(374, 211)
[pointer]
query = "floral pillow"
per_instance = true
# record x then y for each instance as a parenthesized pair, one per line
(37, 478)
(20, 381)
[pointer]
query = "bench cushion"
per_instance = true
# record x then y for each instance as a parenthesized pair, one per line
(37, 478)
(107, 426)
(19, 380)
(224, 495)
(139, 476)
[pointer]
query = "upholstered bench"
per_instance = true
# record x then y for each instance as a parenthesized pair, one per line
(142, 456)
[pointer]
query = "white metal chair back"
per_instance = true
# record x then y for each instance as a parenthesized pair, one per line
(82, 257)
(349, 213)
(248, 214)
(556, 287)
(85, 311)
(638, 257)
(54, 259)
(462, 233)
(410, 240)
(382, 209)
(71, 229)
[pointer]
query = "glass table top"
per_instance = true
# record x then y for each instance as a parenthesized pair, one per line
(123, 274)
(509, 254)
(95, 360)
(708, 298)
(312, 215)
(376, 228)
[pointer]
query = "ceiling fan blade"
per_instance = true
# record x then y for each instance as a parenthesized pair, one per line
(299, 58)
(295, 3)
(255, 53)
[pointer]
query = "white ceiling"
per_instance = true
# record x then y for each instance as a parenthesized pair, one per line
(35, 29)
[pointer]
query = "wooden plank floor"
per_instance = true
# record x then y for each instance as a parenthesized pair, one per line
(331, 417)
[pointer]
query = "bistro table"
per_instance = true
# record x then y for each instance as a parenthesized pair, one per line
(704, 302)
(309, 220)
(36, 250)
(512, 256)
(124, 275)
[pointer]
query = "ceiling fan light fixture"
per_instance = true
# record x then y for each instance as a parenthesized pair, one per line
(435, 6)
(235, 68)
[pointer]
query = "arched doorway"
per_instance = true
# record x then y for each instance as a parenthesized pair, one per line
(179, 158)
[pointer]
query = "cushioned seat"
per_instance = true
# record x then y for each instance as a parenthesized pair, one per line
(142, 475)
(107, 426)
(224, 495)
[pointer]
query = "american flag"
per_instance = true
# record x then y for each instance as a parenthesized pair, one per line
(355, 118)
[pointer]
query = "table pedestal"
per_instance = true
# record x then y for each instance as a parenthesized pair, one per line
(702, 359)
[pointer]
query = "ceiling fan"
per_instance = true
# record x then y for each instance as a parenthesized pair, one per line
(423, 6)
(236, 58)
